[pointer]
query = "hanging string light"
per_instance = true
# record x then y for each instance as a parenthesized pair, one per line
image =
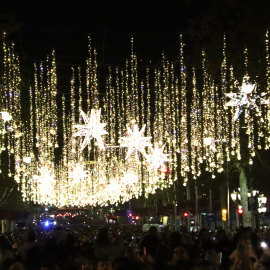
(172, 135)
(183, 121)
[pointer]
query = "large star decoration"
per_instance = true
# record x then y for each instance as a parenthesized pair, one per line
(135, 141)
(157, 157)
(91, 129)
(245, 99)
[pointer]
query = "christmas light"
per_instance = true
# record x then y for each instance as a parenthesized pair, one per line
(91, 129)
(180, 106)
(135, 141)
(157, 157)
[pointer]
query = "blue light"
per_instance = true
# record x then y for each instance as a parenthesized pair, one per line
(46, 224)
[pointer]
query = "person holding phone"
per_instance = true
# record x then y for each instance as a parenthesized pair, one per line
(265, 258)
(244, 256)
(224, 247)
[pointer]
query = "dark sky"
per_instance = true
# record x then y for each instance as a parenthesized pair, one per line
(156, 26)
(65, 26)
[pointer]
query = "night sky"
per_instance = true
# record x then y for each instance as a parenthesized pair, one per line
(38, 28)
(65, 27)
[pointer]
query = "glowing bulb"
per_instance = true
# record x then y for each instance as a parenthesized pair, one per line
(6, 116)
(27, 159)
(208, 141)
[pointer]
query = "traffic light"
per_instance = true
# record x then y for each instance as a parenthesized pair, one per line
(224, 214)
(186, 220)
(240, 211)
(240, 216)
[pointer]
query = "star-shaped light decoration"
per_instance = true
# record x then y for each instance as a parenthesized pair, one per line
(245, 99)
(91, 129)
(135, 141)
(157, 157)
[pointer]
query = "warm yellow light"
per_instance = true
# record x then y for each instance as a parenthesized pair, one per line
(27, 159)
(6, 116)
(208, 141)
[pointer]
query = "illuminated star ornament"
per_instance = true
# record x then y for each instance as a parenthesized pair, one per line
(91, 129)
(157, 157)
(245, 99)
(135, 141)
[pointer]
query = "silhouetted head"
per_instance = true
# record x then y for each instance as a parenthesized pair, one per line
(153, 230)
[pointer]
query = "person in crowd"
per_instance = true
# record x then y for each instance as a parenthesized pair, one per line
(176, 239)
(121, 260)
(132, 253)
(105, 248)
(224, 247)
(87, 264)
(243, 262)
(29, 253)
(6, 250)
(116, 249)
(86, 258)
(205, 265)
(213, 256)
(244, 256)
(204, 242)
(160, 260)
(104, 264)
(17, 266)
(265, 258)
(150, 243)
(180, 259)
(192, 247)
(7, 262)
(134, 265)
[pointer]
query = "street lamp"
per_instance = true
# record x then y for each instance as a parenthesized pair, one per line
(261, 204)
(255, 192)
(257, 204)
(236, 198)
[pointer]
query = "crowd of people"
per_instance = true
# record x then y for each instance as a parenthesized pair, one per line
(128, 248)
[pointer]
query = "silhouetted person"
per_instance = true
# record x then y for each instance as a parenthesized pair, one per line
(29, 253)
(150, 242)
